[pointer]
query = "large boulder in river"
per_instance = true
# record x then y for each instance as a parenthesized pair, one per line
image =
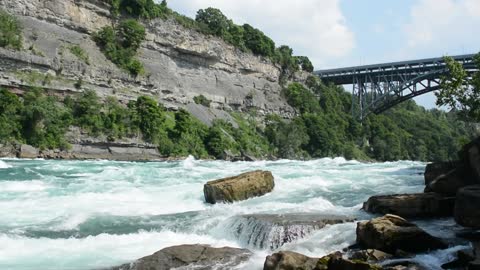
(392, 233)
(471, 156)
(467, 207)
(238, 188)
(274, 230)
(434, 170)
(201, 257)
(450, 182)
(411, 205)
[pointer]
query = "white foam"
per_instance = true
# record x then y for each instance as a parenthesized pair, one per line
(4, 165)
(92, 252)
(24, 186)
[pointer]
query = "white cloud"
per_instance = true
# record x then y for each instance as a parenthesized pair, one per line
(448, 24)
(315, 28)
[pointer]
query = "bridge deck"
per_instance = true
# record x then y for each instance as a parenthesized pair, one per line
(392, 70)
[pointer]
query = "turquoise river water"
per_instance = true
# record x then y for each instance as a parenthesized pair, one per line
(96, 214)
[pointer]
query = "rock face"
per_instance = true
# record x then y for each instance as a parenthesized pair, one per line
(113, 151)
(272, 231)
(467, 207)
(237, 188)
(391, 233)
(180, 63)
(411, 205)
(287, 260)
(200, 257)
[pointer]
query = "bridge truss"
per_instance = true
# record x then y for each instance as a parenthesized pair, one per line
(377, 88)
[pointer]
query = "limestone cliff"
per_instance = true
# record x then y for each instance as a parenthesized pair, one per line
(180, 63)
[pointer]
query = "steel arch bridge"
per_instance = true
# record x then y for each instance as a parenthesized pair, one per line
(377, 88)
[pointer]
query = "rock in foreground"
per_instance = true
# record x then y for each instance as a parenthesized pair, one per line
(238, 188)
(273, 231)
(287, 260)
(411, 205)
(200, 257)
(467, 207)
(392, 233)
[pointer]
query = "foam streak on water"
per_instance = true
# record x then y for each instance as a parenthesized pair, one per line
(93, 214)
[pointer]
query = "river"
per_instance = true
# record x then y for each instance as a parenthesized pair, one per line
(92, 214)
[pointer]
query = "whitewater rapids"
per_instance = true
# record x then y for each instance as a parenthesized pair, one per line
(93, 214)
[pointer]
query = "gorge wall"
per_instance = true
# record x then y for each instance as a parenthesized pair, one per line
(180, 63)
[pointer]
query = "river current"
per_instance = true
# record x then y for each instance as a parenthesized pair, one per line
(93, 214)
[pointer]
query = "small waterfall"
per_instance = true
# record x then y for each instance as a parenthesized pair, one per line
(273, 231)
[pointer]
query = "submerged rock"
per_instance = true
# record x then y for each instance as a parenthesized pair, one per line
(238, 188)
(200, 257)
(288, 260)
(411, 205)
(391, 233)
(467, 207)
(273, 231)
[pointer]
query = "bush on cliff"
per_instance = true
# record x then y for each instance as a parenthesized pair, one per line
(120, 44)
(146, 9)
(10, 31)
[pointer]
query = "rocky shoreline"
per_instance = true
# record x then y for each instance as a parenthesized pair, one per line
(385, 242)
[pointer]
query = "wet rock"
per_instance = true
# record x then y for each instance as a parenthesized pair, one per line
(404, 265)
(391, 233)
(464, 257)
(272, 231)
(201, 257)
(467, 207)
(434, 170)
(287, 260)
(471, 156)
(449, 183)
(238, 188)
(370, 255)
(411, 205)
(27, 151)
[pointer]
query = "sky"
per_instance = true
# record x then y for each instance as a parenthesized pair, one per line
(342, 33)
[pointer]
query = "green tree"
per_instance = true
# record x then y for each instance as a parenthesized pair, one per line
(10, 120)
(44, 121)
(87, 112)
(256, 41)
(215, 20)
(305, 63)
(460, 92)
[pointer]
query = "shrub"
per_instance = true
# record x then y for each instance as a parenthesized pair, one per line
(10, 31)
(202, 100)
(256, 41)
(305, 63)
(80, 53)
(120, 45)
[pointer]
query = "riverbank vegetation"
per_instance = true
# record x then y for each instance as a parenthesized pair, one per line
(323, 128)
